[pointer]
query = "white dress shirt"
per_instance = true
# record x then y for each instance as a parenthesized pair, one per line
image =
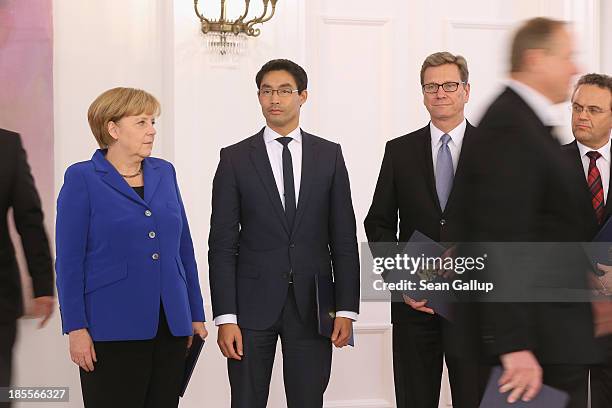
(603, 164)
(275, 155)
(541, 105)
(454, 144)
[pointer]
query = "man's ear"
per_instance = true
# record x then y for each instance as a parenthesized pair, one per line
(303, 97)
(533, 60)
(467, 92)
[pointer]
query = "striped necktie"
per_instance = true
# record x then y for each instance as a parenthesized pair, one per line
(596, 186)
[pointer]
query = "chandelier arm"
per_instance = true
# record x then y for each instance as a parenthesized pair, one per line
(200, 15)
(247, 4)
(222, 19)
(271, 14)
(257, 20)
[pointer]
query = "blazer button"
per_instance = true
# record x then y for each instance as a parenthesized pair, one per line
(152, 234)
(155, 256)
(442, 221)
(292, 246)
(148, 213)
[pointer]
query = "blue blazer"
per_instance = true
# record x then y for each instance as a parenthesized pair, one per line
(118, 255)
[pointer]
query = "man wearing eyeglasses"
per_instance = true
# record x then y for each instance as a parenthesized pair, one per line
(590, 152)
(282, 214)
(419, 185)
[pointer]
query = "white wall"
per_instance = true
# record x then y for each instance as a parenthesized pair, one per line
(605, 17)
(363, 60)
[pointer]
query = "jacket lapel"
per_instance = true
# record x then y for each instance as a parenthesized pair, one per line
(608, 206)
(307, 174)
(152, 177)
(427, 165)
(112, 177)
(457, 179)
(261, 161)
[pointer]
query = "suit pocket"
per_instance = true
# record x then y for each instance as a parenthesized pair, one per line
(181, 269)
(99, 277)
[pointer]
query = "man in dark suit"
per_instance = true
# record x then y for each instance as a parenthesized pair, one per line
(522, 190)
(590, 154)
(419, 181)
(282, 214)
(17, 191)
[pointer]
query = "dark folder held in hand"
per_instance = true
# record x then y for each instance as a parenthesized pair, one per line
(600, 249)
(441, 302)
(548, 397)
(190, 361)
(326, 306)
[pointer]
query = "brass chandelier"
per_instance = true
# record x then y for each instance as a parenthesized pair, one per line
(227, 38)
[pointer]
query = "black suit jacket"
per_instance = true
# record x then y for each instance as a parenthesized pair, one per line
(406, 188)
(17, 191)
(521, 188)
(589, 220)
(252, 251)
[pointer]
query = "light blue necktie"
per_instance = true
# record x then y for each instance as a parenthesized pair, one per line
(444, 171)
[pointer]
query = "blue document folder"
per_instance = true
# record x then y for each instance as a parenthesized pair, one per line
(600, 249)
(420, 245)
(548, 397)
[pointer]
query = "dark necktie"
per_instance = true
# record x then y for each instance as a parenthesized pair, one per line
(595, 186)
(288, 180)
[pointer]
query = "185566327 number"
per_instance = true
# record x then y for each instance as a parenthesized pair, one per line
(34, 394)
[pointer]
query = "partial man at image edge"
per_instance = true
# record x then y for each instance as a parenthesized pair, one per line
(591, 157)
(18, 191)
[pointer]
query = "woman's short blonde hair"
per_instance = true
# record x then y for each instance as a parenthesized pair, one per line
(115, 104)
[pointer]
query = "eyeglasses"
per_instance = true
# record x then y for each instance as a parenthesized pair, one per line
(281, 92)
(591, 110)
(447, 87)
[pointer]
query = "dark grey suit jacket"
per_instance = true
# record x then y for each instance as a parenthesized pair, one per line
(252, 250)
(17, 191)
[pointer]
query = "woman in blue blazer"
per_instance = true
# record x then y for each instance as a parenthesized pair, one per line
(127, 278)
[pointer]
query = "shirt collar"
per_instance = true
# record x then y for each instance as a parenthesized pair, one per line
(540, 104)
(603, 150)
(271, 136)
(456, 134)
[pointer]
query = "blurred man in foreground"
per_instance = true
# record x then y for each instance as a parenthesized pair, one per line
(523, 191)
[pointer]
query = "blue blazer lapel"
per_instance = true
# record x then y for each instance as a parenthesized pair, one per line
(308, 173)
(152, 177)
(261, 161)
(111, 176)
